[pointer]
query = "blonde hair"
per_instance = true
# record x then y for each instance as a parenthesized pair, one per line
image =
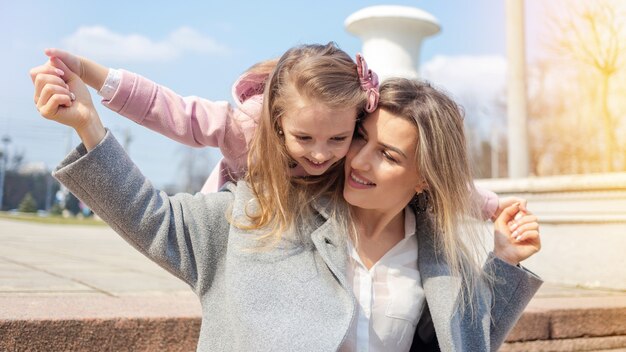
(321, 74)
(442, 159)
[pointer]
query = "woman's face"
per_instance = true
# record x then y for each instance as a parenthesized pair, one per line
(381, 170)
(317, 136)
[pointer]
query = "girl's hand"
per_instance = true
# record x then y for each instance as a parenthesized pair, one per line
(506, 202)
(90, 72)
(72, 61)
(67, 101)
(516, 234)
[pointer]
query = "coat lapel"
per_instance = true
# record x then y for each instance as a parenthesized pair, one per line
(330, 242)
(440, 287)
(454, 331)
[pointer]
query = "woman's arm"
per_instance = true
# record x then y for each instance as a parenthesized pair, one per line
(513, 288)
(185, 234)
(516, 238)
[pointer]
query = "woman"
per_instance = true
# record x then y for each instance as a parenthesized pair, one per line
(411, 151)
(294, 291)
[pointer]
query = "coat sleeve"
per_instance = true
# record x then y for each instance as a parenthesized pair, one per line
(189, 120)
(185, 234)
(513, 288)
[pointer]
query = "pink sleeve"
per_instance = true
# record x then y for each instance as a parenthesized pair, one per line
(189, 120)
(487, 200)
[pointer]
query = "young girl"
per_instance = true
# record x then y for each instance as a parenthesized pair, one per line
(341, 89)
(297, 294)
(345, 90)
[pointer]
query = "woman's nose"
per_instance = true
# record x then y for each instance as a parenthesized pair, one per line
(360, 158)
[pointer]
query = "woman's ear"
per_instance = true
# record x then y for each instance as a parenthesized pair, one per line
(423, 185)
(279, 122)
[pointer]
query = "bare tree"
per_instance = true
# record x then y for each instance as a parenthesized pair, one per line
(592, 34)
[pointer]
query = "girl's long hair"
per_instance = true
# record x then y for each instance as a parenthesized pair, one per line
(321, 74)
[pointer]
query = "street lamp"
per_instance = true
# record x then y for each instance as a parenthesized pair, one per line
(4, 156)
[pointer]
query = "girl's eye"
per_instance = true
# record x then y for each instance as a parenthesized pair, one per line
(303, 138)
(339, 139)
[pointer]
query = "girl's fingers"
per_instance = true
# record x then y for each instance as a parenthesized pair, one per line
(48, 91)
(41, 80)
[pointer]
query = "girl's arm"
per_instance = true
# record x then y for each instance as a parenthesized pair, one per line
(189, 120)
(185, 234)
(491, 205)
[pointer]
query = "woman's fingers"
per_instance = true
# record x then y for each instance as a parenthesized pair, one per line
(520, 233)
(50, 90)
(523, 219)
(531, 238)
(51, 107)
(45, 69)
(43, 79)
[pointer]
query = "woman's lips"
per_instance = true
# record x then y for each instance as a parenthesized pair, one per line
(357, 181)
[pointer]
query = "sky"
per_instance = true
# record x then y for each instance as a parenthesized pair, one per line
(200, 48)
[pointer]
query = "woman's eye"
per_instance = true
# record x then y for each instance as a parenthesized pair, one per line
(339, 139)
(389, 157)
(303, 138)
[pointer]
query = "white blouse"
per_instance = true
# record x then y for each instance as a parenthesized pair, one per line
(390, 297)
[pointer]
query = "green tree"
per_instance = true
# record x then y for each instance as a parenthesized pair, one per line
(28, 204)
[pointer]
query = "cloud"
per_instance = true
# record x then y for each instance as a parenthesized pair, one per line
(100, 43)
(478, 83)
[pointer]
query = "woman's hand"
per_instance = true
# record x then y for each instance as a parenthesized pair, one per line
(64, 98)
(516, 234)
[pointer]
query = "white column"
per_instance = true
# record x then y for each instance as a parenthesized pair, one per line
(518, 158)
(392, 37)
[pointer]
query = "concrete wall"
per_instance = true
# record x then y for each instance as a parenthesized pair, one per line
(583, 226)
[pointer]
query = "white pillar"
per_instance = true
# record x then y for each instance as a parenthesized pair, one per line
(392, 37)
(518, 159)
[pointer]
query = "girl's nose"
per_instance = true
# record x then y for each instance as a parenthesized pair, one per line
(320, 154)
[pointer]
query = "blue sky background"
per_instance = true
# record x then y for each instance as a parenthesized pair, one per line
(243, 31)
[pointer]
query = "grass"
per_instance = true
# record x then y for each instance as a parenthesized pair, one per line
(58, 220)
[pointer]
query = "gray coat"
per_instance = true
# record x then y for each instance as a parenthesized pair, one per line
(291, 297)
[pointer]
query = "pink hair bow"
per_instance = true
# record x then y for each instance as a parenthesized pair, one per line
(369, 83)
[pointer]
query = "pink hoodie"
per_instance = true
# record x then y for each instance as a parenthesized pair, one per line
(194, 121)
(199, 122)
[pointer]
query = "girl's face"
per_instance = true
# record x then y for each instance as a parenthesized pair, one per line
(316, 136)
(381, 169)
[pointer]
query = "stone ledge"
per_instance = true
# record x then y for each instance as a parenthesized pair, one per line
(569, 323)
(136, 334)
(571, 318)
(172, 322)
(611, 343)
